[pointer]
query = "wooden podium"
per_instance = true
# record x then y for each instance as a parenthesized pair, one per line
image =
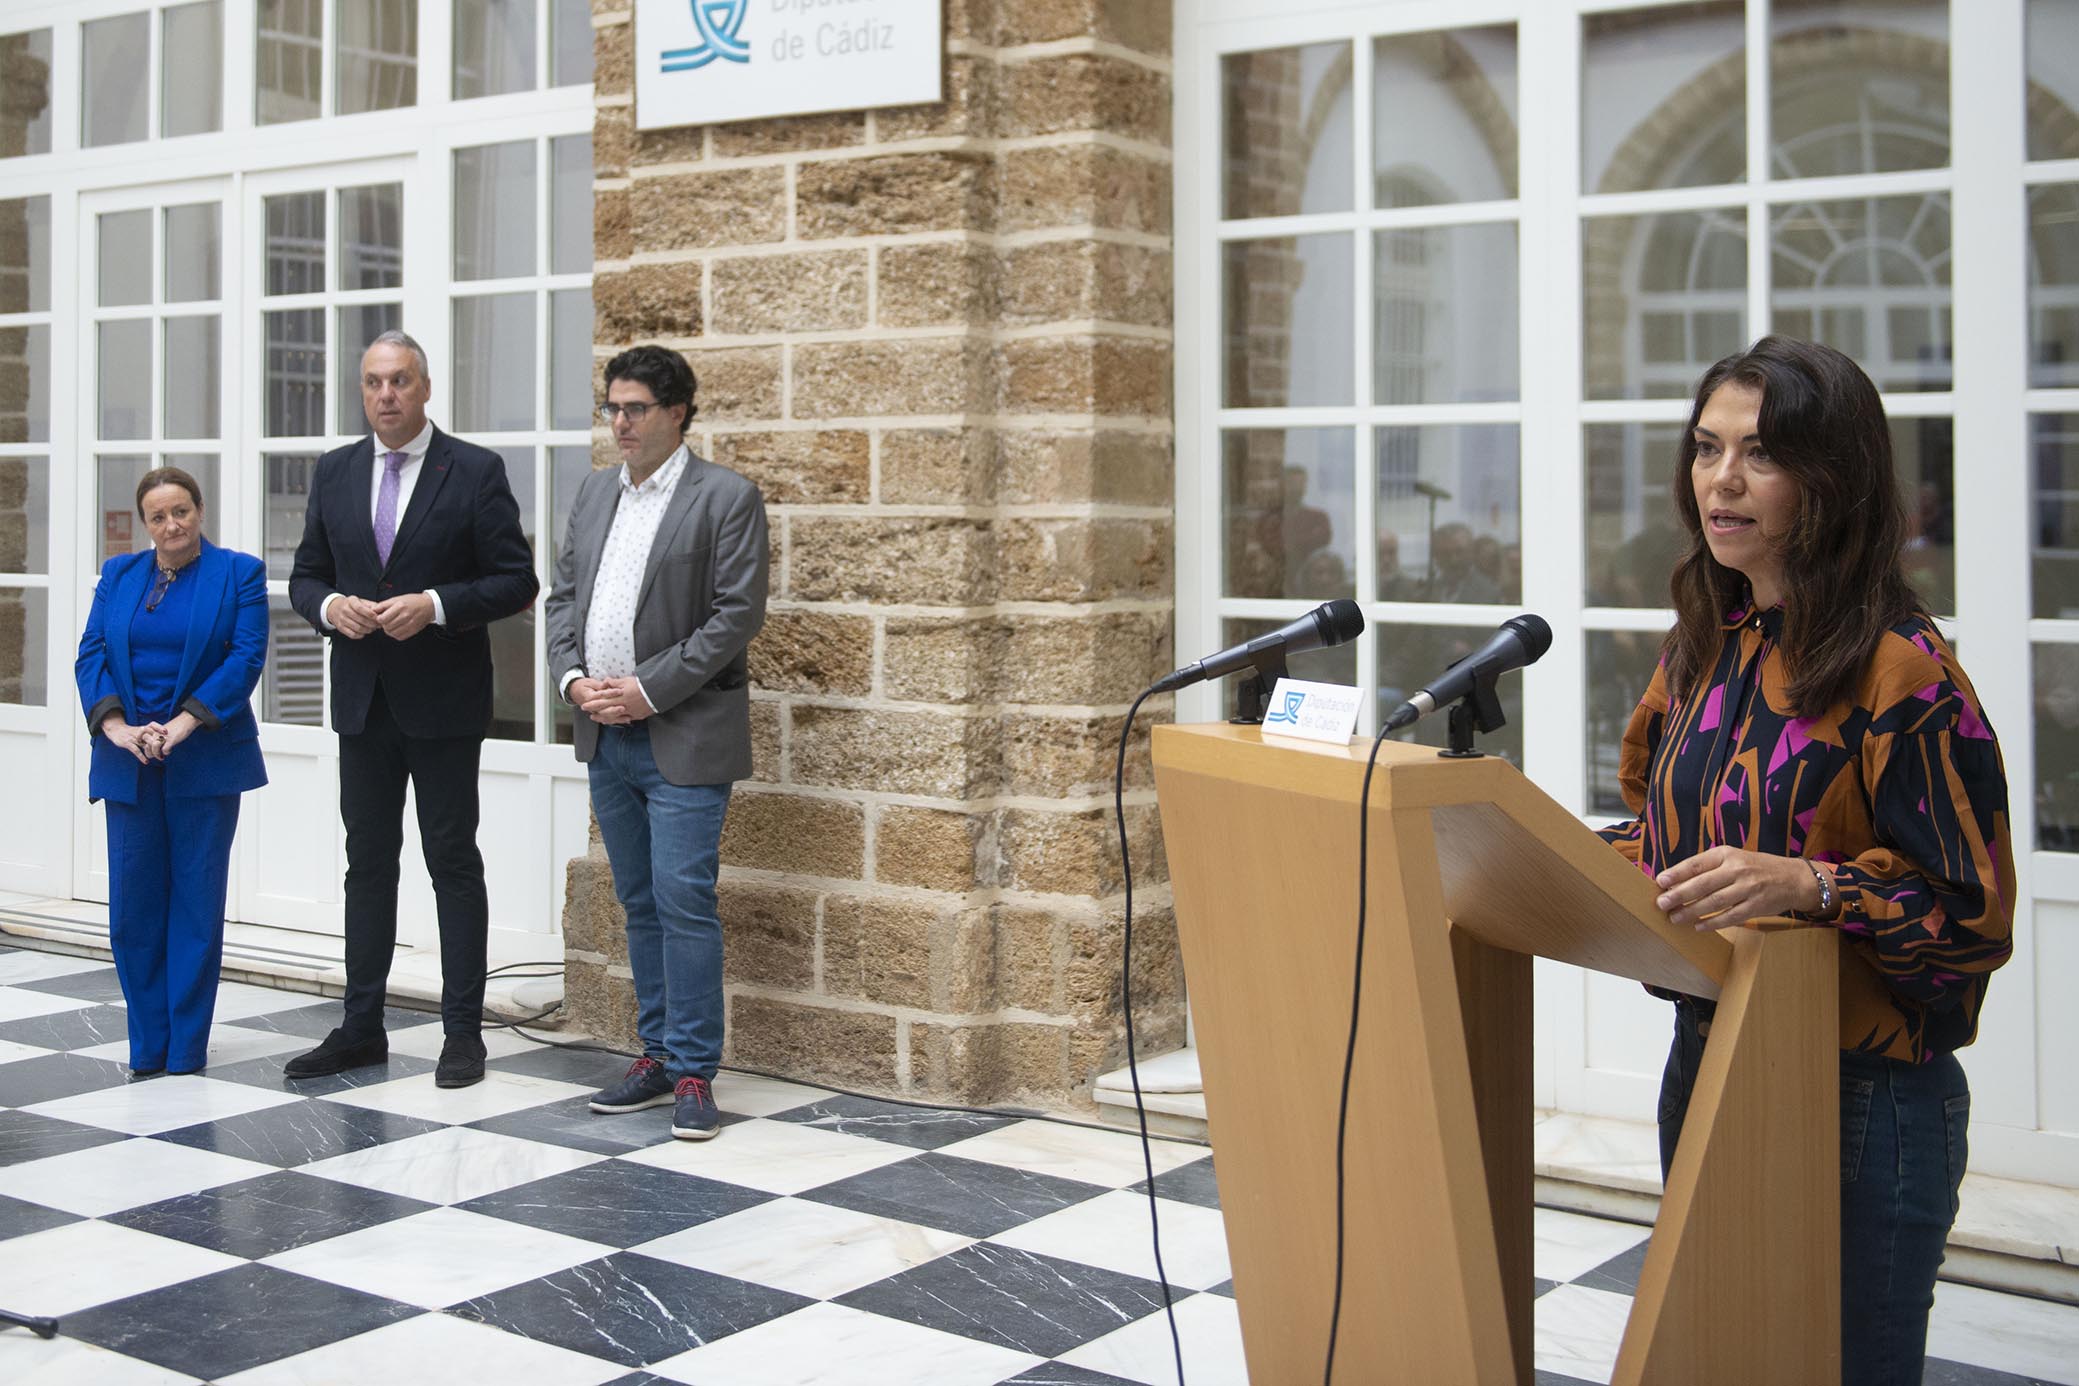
(1474, 872)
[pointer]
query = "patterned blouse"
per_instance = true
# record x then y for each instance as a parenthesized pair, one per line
(1900, 787)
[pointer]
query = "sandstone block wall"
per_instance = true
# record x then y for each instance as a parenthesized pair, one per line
(939, 339)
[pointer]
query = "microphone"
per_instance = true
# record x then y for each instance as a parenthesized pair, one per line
(1521, 640)
(1330, 623)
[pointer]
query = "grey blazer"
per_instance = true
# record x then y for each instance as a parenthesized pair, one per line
(702, 599)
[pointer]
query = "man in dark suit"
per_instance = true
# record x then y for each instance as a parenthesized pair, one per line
(660, 586)
(411, 546)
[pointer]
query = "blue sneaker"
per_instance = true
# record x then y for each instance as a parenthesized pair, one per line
(694, 1116)
(646, 1085)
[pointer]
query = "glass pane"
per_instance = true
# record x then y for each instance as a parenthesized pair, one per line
(1857, 86)
(25, 384)
(2054, 451)
(1448, 514)
(494, 47)
(494, 211)
(2053, 286)
(125, 360)
(1924, 455)
(1444, 314)
(1631, 535)
(192, 364)
(568, 468)
(2057, 747)
(1662, 297)
(294, 379)
(1869, 277)
(25, 117)
(296, 243)
(1444, 117)
(1287, 317)
(113, 54)
(1334, 665)
(514, 669)
(570, 205)
(292, 686)
(378, 55)
(570, 358)
(495, 380)
(25, 253)
(570, 43)
(194, 252)
(24, 638)
(1413, 656)
(25, 513)
(116, 479)
(1288, 512)
(288, 491)
(371, 237)
(2053, 80)
(126, 258)
(358, 326)
(1286, 131)
(1637, 66)
(191, 69)
(1620, 665)
(288, 60)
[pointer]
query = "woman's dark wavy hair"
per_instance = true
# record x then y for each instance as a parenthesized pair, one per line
(1843, 585)
(663, 371)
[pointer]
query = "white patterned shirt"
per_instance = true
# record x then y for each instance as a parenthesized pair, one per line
(610, 620)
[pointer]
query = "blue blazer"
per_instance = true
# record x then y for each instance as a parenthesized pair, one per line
(219, 668)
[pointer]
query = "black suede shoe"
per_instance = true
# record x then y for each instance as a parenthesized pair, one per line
(337, 1053)
(461, 1062)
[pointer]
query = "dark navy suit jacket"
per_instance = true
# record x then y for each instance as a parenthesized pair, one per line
(219, 668)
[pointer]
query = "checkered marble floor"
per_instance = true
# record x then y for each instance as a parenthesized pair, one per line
(228, 1227)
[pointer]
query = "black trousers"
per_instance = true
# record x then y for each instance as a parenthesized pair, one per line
(374, 768)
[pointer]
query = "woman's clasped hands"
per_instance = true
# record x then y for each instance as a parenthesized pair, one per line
(153, 741)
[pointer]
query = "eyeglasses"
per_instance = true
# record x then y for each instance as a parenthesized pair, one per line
(635, 413)
(159, 586)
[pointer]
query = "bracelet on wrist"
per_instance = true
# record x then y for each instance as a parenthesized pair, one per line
(1826, 889)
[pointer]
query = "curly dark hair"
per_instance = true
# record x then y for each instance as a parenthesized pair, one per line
(663, 371)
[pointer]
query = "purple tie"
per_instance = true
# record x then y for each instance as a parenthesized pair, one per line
(386, 506)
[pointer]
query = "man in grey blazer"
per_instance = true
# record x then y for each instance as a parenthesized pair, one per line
(660, 586)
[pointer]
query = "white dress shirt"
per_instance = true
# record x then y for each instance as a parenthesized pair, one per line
(610, 619)
(407, 478)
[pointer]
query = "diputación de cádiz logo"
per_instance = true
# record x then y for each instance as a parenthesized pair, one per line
(718, 22)
(1290, 711)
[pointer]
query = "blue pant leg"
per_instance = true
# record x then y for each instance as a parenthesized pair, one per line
(685, 858)
(140, 892)
(200, 831)
(624, 828)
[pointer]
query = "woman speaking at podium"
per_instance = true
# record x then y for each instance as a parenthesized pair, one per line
(1809, 746)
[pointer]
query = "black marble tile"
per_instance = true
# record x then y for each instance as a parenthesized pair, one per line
(920, 1128)
(101, 986)
(1555, 1379)
(1015, 1299)
(266, 1072)
(27, 1136)
(1192, 1183)
(51, 1076)
(299, 1133)
(19, 1218)
(1620, 1273)
(1224, 1288)
(640, 1379)
(273, 1213)
(592, 1069)
(1938, 1372)
(1540, 1288)
(321, 1018)
(630, 1309)
(617, 1203)
(76, 1029)
(570, 1122)
(971, 1197)
(233, 1320)
(1062, 1374)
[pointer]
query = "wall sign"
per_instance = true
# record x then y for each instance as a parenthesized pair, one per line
(702, 61)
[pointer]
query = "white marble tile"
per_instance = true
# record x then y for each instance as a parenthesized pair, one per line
(1112, 1231)
(29, 1361)
(63, 1270)
(1111, 1158)
(1603, 1151)
(438, 1347)
(228, 1044)
(124, 1174)
(161, 1104)
(1207, 1325)
(450, 1166)
(1576, 1331)
(2028, 1337)
(10, 1051)
(26, 966)
(830, 1345)
(809, 1248)
(424, 1042)
(777, 1156)
(746, 1094)
(498, 1094)
(19, 1003)
(439, 1257)
(1568, 1245)
(238, 1000)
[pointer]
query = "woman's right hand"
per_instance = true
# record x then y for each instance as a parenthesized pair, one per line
(130, 738)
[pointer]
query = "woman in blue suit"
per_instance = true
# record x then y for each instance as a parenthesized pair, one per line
(167, 666)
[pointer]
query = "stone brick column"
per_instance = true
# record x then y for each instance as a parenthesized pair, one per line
(939, 339)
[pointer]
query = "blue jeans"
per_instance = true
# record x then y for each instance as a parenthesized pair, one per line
(664, 842)
(1903, 1146)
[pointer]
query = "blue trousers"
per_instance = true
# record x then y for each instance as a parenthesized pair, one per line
(1903, 1147)
(664, 842)
(169, 865)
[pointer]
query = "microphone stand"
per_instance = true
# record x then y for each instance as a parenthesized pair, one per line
(1479, 710)
(1252, 693)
